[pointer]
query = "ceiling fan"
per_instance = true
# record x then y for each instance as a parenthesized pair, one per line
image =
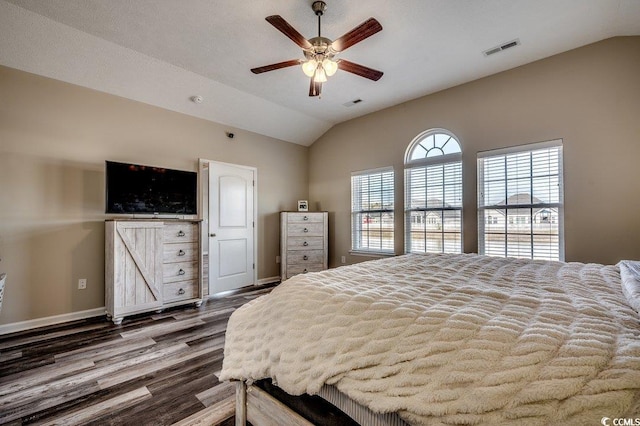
(320, 52)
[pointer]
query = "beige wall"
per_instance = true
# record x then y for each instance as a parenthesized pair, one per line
(589, 97)
(54, 139)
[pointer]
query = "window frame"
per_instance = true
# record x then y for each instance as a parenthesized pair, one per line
(412, 164)
(355, 230)
(539, 206)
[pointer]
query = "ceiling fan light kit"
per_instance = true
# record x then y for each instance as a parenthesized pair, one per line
(320, 52)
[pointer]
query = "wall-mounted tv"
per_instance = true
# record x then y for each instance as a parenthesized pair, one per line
(134, 188)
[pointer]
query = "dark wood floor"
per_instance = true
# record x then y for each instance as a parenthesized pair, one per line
(155, 369)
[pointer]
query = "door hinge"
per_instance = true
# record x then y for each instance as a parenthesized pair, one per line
(254, 266)
(254, 224)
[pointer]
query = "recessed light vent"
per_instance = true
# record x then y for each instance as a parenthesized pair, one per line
(503, 46)
(352, 103)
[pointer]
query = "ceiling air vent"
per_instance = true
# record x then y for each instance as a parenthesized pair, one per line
(502, 47)
(352, 103)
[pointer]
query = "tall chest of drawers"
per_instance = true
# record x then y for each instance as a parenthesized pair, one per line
(150, 265)
(304, 242)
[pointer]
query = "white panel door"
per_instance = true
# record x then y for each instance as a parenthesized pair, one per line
(231, 227)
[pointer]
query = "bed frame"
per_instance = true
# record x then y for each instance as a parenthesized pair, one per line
(261, 409)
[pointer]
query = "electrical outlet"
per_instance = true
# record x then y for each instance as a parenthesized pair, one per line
(277, 259)
(343, 259)
(82, 283)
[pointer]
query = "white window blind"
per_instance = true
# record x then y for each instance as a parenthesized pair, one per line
(433, 194)
(520, 202)
(372, 225)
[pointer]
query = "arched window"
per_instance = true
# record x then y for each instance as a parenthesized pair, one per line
(433, 193)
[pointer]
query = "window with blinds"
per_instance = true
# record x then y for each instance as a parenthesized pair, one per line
(520, 202)
(372, 201)
(433, 193)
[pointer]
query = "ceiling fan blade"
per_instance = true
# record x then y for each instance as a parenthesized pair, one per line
(286, 29)
(356, 35)
(277, 66)
(315, 88)
(360, 70)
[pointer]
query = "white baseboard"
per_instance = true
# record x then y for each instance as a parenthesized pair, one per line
(56, 319)
(269, 280)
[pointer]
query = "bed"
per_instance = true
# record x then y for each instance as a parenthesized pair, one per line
(447, 339)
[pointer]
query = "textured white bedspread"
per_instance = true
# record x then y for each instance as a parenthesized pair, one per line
(450, 339)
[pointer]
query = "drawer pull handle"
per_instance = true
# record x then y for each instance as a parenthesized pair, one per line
(181, 233)
(305, 257)
(305, 218)
(305, 271)
(181, 291)
(181, 272)
(181, 253)
(305, 244)
(306, 230)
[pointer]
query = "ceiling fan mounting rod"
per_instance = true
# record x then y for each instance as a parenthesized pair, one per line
(318, 8)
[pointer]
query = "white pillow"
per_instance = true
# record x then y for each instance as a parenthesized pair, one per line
(630, 274)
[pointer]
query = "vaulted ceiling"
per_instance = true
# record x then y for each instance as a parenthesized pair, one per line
(164, 52)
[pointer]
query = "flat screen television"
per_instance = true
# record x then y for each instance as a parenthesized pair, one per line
(134, 188)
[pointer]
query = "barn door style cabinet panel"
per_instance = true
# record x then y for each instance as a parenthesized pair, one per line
(303, 242)
(150, 265)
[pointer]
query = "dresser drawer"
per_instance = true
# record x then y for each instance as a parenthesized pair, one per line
(180, 290)
(179, 271)
(303, 269)
(305, 243)
(180, 232)
(295, 257)
(304, 229)
(180, 252)
(304, 217)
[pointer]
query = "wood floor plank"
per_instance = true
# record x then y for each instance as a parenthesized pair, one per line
(142, 369)
(51, 336)
(207, 342)
(104, 350)
(31, 378)
(59, 386)
(205, 315)
(160, 329)
(10, 355)
(26, 408)
(216, 393)
(82, 416)
(206, 330)
(215, 414)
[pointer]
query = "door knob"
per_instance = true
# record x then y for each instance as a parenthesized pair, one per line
(212, 235)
